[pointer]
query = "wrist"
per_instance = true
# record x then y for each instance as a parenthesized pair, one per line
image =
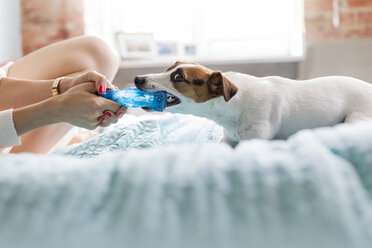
(34, 116)
(64, 85)
(51, 109)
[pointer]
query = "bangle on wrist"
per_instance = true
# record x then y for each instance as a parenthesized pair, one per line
(55, 86)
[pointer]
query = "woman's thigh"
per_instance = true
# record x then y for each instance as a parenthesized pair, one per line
(67, 57)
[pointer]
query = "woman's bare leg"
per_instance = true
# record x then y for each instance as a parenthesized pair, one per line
(69, 57)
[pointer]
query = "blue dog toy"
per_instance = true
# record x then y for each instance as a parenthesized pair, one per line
(135, 98)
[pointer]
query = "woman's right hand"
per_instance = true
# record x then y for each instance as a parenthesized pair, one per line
(81, 107)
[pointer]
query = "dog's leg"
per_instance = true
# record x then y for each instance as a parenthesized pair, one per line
(354, 117)
(229, 140)
(257, 130)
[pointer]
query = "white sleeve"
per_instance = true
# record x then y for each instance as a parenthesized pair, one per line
(8, 133)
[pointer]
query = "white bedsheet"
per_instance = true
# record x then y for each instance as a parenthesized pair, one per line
(313, 190)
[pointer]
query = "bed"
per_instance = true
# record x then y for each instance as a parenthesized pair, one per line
(166, 181)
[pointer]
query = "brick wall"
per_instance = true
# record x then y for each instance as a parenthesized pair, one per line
(47, 21)
(355, 20)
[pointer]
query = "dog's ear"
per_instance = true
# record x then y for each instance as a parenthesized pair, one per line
(221, 86)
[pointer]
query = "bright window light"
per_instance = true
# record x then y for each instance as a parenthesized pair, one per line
(226, 29)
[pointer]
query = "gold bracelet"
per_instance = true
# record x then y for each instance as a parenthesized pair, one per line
(55, 91)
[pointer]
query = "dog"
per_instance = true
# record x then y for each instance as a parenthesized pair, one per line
(251, 107)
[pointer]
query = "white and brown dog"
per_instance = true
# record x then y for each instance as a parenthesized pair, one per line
(268, 107)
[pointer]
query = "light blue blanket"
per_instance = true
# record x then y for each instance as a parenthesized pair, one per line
(148, 131)
(313, 190)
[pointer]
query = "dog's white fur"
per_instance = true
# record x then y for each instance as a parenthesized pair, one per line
(275, 107)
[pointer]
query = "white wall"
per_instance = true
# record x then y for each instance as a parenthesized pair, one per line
(347, 58)
(10, 30)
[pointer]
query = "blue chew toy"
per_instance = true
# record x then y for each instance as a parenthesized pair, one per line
(135, 98)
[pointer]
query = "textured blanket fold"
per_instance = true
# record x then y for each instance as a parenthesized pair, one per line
(146, 184)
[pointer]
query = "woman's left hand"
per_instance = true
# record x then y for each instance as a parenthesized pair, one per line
(100, 81)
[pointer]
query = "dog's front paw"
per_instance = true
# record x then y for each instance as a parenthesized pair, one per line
(231, 142)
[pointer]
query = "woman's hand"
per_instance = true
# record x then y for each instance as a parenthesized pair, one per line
(100, 81)
(101, 84)
(80, 106)
(77, 104)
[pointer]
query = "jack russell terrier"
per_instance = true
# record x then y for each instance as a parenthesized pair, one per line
(269, 107)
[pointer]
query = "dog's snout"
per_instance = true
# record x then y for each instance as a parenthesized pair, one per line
(139, 81)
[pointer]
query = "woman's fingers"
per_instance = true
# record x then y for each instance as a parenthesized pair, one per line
(106, 104)
(89, 87)
(102, 121)
(98, 79)
(111, 86)
(121, 111)
(102, 84)
(111, 117)
(107, 118)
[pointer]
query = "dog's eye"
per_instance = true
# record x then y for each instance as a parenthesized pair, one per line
(178, 78)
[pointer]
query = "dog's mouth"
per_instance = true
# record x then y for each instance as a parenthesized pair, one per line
(172, 100)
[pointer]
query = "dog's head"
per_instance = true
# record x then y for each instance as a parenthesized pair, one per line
(188, 83)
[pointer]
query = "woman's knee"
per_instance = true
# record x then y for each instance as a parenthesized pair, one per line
(68, 57)
(105, 60)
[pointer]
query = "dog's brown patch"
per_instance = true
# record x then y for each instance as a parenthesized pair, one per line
(198, 82)
(199, 91)
(202, 84)
(221, 86)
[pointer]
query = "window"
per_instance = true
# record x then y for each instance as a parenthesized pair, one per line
(233, 29)
(10, 26)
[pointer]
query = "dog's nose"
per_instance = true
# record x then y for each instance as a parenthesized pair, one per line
(139, 81)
